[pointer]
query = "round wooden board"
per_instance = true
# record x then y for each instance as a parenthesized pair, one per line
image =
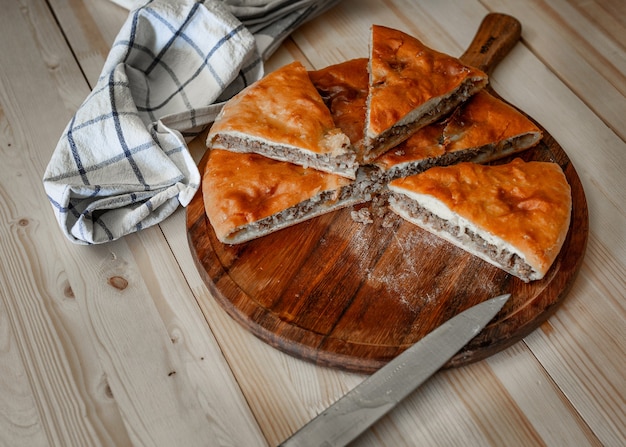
(353, 295)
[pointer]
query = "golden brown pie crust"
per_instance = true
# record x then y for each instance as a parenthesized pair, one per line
(485, 119)
(527, 204)
(480, 121)
(425, 143)
(241, 188)
(405, 73)
(344, 89)
(283, 108)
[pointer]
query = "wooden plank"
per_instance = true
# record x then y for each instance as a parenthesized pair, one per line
(144, 348)
(575, 339)
(48, 374)
(95, 355)
(608, 15)
(483, 404)
(581, 336)
(518, 377)
(486, 403)
(574, 48)
(214, 387)
(90, 26)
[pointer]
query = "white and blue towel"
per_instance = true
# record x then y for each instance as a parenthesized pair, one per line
(122, 163)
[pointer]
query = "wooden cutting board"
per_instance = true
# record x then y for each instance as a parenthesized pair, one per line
(353, 295)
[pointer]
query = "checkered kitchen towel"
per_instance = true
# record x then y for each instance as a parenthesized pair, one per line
(122, 163)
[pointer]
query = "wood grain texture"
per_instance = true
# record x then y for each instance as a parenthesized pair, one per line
(44, 391)
(564, 384)
(583, 52)
(99, 346)
(351, 295)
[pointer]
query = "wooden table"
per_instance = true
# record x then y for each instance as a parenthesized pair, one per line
(122, 343)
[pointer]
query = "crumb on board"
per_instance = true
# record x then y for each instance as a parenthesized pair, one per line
(362, 215)
(376, 209)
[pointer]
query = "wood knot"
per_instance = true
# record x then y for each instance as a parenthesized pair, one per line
(108, 392)
(487, 45)
(175, 336)
(68, 292)
(23, 222)
(53, 64)
(118, 282)
(104, 388)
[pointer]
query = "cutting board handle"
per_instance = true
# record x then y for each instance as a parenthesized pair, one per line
(496, 36)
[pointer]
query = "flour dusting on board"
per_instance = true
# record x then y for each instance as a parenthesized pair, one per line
(397, 274)
(411, 247)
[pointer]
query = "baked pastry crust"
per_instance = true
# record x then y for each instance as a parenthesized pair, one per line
(485, 119)
(247, 195)
(334, 118)
(344, 89)
(410, 86)
(283, 116)
(522, 209)
(482, 129)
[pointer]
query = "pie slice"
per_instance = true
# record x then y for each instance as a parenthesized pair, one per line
(247, 195)
(410, 86)
(482, 129)
(515, 216)
(344, 89)
(282, 116)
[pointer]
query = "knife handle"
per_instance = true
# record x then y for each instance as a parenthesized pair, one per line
(497, 35)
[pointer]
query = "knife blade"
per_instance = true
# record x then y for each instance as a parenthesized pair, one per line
(352, 414)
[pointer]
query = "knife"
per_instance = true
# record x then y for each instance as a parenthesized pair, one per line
(352, 414)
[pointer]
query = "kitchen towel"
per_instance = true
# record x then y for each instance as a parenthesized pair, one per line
(122, 162)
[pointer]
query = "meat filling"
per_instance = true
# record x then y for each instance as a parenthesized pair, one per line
(359, 191)
(398, 133)
(411, 168)
(509, 261)
(341, 164)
